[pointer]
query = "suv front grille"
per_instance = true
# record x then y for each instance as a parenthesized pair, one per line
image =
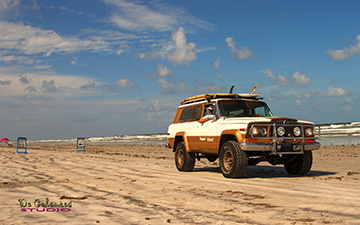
(271, 131)
(284, 121)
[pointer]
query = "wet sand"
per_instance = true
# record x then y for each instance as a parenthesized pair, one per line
(135, 184)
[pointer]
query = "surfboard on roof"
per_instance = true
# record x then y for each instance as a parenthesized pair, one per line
(218, 95)
(221, 95)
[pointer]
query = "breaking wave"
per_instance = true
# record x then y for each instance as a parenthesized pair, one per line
(332, 133)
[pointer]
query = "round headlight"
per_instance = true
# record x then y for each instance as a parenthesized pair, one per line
(309, 132)
(254, 131)
(297, 131)
(263, 131)
(281, 131)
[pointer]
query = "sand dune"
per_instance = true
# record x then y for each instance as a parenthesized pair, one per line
(131, 184)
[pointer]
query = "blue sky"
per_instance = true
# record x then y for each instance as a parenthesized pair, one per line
(115, 67)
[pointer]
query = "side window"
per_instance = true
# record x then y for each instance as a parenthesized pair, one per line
(209, 110)
(191, 114)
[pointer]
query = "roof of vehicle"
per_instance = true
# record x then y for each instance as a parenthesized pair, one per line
(208, 97)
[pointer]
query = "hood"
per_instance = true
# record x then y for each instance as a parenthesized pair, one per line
(280, 120)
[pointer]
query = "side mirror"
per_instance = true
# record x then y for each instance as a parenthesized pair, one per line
(207, 118)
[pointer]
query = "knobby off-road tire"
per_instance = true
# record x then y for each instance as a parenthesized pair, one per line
(300, 165)
(184, 161)
(233, 160)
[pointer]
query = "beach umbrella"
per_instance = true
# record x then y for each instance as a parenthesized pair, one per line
(4, 139)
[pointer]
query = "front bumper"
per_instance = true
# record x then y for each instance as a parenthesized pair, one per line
(287, 143)
(277, 148)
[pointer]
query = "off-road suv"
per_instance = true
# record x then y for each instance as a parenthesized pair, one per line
(241, 131)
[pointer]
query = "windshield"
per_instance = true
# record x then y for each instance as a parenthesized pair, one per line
(243, 108)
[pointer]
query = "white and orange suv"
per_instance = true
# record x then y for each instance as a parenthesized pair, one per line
(240, 130)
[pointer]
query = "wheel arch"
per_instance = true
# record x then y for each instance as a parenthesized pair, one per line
(181, 137)
(230, 135)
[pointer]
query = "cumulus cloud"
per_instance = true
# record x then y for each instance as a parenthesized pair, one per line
(331, 91)
(49, 86)
(163, 71)
(31, 89)
(182, 52)
(124, 83)
(90, 85)
(296, 79)
(157, 112)
(300, 79)
(166, 85)
(5, 82)
(161, 75)
(346, 52)
(239, 54)
(24, 80)
(40, 84)
(279, 79)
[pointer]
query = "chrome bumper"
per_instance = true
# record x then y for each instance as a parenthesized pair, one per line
(280, 148)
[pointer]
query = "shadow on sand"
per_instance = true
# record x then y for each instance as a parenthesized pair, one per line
(267, 172)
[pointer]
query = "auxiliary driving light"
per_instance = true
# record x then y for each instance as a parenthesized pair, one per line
(309, 132)
(263, 131)
(281, 131)
(297, 131)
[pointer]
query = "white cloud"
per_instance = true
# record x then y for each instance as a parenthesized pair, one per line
(124, 83)
(346, 52)
(296, 79)
(331, 91)
(217, 67)
(18, 59)
(217, 64)
(55, 86)
(300, 79)
(5, 82)
(166, 85)
(279, 80)
(7, 5)
(239, 54)
(152, 16)
(210, 87)
(49, 86)
(18, 38)
(163, 71)
(136, 17)
(183, 53)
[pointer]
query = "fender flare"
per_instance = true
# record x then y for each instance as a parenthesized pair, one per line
(183, 135)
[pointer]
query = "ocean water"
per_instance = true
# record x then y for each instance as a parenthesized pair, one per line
(340, 134)
(330, 134)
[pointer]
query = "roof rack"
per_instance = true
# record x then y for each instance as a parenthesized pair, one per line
(208, 97)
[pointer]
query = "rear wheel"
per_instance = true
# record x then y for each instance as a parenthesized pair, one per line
(300, 165)
(185, 161)
(233, 160)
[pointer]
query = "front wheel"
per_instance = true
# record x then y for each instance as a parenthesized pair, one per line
(185, 161)
(233, 160)
(300, 165)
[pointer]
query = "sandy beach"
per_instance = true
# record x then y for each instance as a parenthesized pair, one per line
(139, 184)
